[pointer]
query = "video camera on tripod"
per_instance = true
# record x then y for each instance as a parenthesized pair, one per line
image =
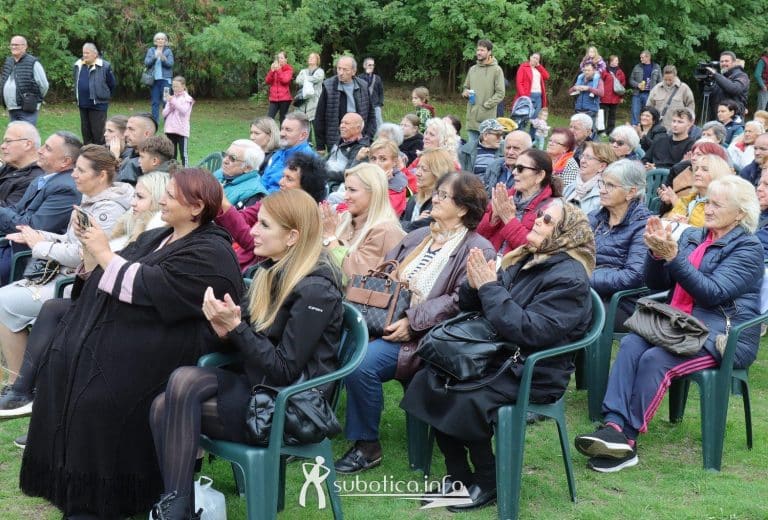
(702, 75)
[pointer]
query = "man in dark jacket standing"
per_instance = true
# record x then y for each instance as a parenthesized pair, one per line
(341, 94)
(730, 83)
(19, 152)
(375, 88)
(94, 84)
(24, 83)
(644, 76)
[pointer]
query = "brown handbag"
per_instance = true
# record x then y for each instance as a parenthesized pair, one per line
(380, 297)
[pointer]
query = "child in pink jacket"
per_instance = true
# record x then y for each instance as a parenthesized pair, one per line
(177, 112)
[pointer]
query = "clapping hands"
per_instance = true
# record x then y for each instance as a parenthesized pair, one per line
(480, 271)
(659, 239)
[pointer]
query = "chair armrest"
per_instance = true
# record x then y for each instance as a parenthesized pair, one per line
(61, 284)
(17, 272)
(219, 359)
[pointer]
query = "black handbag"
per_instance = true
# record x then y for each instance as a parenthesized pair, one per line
(662, 325)
(467, 348)
(148, 77)
(299, 99)
(41, 271)
(308, 417)
(28, 102)
(380, 297)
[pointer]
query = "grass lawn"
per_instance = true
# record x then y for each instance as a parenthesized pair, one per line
(669, 482)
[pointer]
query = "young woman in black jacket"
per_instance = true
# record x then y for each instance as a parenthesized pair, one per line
(290, 327)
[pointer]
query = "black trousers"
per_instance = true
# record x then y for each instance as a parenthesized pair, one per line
(92, 123)
(281, 106)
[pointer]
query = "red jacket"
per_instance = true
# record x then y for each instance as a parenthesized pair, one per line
(524, 79)
(239, 224)
(609, 96)
(512, 234)
(279, 82)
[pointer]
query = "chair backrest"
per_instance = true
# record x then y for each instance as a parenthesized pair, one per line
(212, 162)
(354, 341)
(598, 318)
(653, 179)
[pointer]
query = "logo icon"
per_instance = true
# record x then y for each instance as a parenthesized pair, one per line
(314, 475)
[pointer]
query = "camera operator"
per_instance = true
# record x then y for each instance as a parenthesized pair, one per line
(730, 83)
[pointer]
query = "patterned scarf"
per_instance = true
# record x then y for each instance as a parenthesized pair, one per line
(572, 236)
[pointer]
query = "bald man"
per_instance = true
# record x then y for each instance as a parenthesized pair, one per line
(342, 155)
(24, 83)
(341, 94)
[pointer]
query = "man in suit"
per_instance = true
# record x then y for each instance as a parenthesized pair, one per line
(47, 203)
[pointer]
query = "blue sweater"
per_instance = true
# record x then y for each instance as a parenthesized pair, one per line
(241, 188)
(274, 171)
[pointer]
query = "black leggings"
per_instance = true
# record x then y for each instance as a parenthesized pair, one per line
(457, 466)
(281, 106)
(177, 417)
(39, 340)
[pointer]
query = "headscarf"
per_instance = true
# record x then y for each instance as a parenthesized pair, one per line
(572, 236)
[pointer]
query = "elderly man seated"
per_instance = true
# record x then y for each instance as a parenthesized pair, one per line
(476, 157)
(239, 173)
(343, 155)
(19, 153)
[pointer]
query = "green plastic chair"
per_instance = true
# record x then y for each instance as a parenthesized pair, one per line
(19, 262)
(715, 387)
(211, 162)
(653, 179)
(260, 471)
(511, 423)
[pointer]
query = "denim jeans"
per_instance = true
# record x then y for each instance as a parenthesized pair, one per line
(157, 97)
(20, 115)
(638, 102)
(536, 99)
(365, 396)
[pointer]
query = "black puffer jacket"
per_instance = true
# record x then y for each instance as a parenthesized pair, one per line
(14, 182)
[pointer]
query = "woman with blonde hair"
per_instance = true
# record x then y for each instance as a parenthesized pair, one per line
(145, 210)
(290, 328)
(385, 154)
(690, 208)
(432, 166)
(437, 135)
(265, 133)
(368, 229)
(592, 57)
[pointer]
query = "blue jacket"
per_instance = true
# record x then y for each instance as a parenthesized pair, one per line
(167, 65)
(241, 189)
(762, 232)
(621, 251)
(752, 173)
(101, 81)
(45, 209)
(727, 282)
(274, 171)
(588, 100)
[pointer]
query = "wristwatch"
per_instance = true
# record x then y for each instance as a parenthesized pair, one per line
(327, 241)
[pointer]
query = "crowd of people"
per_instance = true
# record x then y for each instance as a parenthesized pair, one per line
(515, 223)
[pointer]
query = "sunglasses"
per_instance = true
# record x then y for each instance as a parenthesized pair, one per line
(232, 157)
(520, 168)
(546, 216)
(618, 142)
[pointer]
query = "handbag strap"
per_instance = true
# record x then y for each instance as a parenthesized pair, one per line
(514, 358)
(669, 101)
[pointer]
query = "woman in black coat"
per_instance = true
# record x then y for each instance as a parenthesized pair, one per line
(138, 317)
(290, 328)
(540, 299)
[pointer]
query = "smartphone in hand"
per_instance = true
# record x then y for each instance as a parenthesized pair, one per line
(83, 218)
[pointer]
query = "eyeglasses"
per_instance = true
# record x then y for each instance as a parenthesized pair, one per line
(607, 186)
(545, 216)
(588, 157)
(441, 195)
(557, 143)
(617, 142)
(6, 141)
(521, 167)
(232, 157)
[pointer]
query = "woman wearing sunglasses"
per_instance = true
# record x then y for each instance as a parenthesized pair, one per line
(625, 141)
(539, 299)
(511, 213)
(618, 226)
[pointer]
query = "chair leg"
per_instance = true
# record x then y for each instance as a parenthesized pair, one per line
(237, 471)
(419, 446)
(747, 412)
(260, 490)
(678, 396)
(281, 485)
(713, 416)
(566, 450)
(510, 447)
(598, 367)
(330, 482)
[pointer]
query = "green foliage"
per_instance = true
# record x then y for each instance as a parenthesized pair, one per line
(224, 47)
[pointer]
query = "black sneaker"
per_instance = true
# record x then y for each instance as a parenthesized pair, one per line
(14, 403)
(610, 465)
(21, 442)
(604, 442)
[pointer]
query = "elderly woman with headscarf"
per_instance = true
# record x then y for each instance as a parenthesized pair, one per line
(540, 299)
(715, 275)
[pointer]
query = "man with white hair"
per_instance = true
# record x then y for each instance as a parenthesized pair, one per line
(19, 152)
(502, 169)
(581, 127)
(23, 82)
(341, 94)
(239, 173)
(94, 84)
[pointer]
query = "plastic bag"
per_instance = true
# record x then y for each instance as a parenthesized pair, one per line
(211, 501)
